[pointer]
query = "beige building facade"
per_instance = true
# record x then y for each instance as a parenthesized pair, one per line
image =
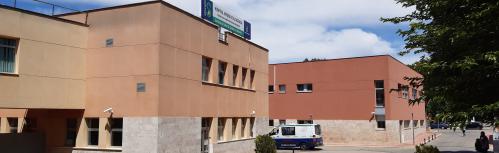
(146, 77)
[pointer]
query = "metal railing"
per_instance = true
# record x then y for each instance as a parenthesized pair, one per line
(52, 8)
(42, 7)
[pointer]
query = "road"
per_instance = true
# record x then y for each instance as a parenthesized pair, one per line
(448, 142)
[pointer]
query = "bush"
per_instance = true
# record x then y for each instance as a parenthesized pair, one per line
(265, 144)
(426, 149)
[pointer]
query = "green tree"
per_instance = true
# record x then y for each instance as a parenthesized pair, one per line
(459, 41)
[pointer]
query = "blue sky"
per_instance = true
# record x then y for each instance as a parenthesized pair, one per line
(294, 29)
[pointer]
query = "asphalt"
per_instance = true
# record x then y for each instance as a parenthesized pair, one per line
(448, 142)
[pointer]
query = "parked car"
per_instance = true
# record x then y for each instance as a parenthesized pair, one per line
(474, 126)
(439, 125)
(304, 136)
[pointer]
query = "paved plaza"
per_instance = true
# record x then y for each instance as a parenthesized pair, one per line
(447, 142)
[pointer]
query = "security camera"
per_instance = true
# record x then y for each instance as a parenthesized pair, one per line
(108, 110)
(253, 113)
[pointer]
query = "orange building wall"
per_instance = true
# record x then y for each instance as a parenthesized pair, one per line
(165, 50)
(343, 89)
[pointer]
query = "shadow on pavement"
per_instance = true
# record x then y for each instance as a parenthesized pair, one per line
(460, 152)
(315, 149)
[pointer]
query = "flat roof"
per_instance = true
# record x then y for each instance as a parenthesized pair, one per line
(347, 58)
(42, 15)
(165, 4)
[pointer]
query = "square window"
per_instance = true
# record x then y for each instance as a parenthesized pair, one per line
(381, 124)
(271, 88)
(282, 88)
(141, 87)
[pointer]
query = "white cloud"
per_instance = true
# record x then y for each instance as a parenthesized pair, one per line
(297, 29)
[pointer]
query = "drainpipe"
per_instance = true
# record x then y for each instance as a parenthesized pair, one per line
(413, 135)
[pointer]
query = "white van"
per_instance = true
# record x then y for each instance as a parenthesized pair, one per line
(304, 136)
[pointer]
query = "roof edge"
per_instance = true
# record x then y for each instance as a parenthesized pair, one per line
(170, 6)
(43, 15)
(347, 58)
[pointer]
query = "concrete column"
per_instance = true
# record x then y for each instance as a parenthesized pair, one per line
(247, 128)
(3, 125)
(214, 130)
(104, 133)
(20, 124)
(82, 135)
(228, 129)
(239, 128)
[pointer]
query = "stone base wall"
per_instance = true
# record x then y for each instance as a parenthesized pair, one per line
(140, 134)
(363, 132)
(176, 135)
(179, 135)
(240, 146)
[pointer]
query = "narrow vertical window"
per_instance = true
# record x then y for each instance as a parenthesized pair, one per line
(252, 79)
(405, 92)
(7, 55)
(205, 70)
(93, 131)
(71, 126)
(252, 123)
(222, 67)
(235, 70)
(13, 124)
(243, 77)
(414, 93)
(221, 127)
(271, 122)
(380, 93)
(282, 88)
(116, 131)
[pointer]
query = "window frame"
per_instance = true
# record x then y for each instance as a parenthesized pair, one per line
(90, 130)
(244, 72)
(285, 132)
(15, 53)
(73, 130)
(271, 87)
(206, 64)
(222, 72)
(252, 79)
(379, 87)
(116, 130)
(281, 89)
(235, 73)
(307, 88)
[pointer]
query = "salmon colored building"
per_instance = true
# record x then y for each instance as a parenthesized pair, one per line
(139, 78)
(361, 100)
